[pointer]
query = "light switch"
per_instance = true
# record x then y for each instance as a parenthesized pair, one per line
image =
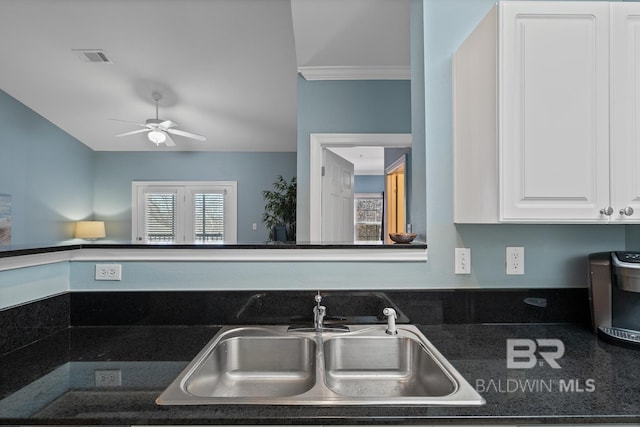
(463, 261)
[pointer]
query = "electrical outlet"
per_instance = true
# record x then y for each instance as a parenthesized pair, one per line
(108, 377)
(108, 272)
(254, 226)
(463, 261)
(515, 260)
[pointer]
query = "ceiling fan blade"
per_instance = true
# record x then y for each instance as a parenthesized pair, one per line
(187, 134)
(169, 142)
(131, 123)
(167, 124)
(133, 132)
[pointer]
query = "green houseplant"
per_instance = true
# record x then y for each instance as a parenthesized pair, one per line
(280, 209)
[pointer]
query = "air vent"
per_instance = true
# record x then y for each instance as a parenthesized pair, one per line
(92, 55)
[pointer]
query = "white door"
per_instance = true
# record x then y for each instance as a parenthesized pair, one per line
(625, 112)
(554, 110)
(337, 198)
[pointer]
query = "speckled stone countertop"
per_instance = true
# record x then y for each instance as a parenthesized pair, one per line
(12, 251)
(53, 381)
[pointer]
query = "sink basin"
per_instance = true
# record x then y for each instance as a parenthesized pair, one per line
(270, 365)
(383, 367)
(285, 367)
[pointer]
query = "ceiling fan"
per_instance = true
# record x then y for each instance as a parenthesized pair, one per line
(159, 130)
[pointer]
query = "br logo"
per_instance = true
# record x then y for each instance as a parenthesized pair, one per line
(521, 353)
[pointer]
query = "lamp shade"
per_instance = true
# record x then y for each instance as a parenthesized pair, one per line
(157, 136)
(90, 230)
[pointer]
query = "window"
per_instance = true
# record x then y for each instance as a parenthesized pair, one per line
(160, 216)
(184, 212)
(208, 217)
(368, 217)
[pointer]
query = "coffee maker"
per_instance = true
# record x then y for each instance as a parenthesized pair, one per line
(614, 295)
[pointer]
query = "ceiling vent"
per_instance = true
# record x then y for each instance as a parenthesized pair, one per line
(92, 55)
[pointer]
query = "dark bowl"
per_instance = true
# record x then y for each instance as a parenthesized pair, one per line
(402, 237)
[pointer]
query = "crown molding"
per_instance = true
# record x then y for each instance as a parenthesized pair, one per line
(356, 73)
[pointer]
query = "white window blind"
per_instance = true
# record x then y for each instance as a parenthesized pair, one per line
(208, 220)
(160, 217)
(184, 212)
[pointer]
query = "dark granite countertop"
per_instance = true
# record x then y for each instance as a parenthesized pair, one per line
(12, 251)
(53, 380)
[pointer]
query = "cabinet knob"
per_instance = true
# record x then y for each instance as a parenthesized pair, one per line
(608, 211)
(628, 211)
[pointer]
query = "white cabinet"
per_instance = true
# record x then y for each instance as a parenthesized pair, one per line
(625, 111)
(532, 107)
(553, 109)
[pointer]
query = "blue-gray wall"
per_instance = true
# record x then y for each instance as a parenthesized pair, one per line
(632, 237)
(254, 172)
(345, 107)
(368, 183)
(47, 172)
(418, 202)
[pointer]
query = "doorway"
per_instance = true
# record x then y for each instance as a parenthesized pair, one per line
(395, 198)
(319, 142)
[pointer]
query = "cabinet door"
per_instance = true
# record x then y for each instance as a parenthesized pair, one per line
(625, 111)
(554, 111)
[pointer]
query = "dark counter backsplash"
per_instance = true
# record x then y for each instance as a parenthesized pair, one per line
(22, 325)
(28, 323)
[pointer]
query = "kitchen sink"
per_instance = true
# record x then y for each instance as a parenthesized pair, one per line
(271, 365)
(364, 366)
(255, 366)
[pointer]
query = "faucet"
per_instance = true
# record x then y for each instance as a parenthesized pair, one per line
(319, 311)
(391, 320)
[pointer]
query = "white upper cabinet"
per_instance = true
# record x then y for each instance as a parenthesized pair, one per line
(554, 110)
(532, 110)
(625, 112)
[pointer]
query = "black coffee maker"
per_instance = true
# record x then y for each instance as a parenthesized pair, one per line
(614, 294)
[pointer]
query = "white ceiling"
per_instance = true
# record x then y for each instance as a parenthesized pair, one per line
(366, 160)
(227, 69)
(343, 39)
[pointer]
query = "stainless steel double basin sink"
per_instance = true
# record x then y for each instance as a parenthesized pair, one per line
(274, 366)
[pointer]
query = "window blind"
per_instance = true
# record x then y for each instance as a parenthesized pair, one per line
(208, 222)
(176, 212)
(160, 219)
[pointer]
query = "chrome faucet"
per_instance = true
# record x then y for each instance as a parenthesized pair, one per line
(391, 320)
(319, 311)
(319, 314)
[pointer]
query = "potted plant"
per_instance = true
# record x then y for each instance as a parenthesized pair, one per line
(280, 210)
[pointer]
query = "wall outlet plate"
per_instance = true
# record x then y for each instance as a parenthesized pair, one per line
(514, 259)
(108, 377)
(108, 271)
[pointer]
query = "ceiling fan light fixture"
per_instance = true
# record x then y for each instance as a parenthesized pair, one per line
(158, 130)
(156, 136)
